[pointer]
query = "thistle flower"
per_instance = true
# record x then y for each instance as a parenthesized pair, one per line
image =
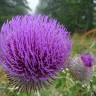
(81, 67)
(33, 50)
(87, 60)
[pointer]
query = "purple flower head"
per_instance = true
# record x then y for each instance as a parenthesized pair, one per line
(87, 60)
(33, 50)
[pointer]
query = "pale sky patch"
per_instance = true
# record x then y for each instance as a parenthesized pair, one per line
(33, 4)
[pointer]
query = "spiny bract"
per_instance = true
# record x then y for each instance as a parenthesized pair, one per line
(33, 49)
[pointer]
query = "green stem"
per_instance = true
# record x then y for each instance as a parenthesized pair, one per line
(38, 93)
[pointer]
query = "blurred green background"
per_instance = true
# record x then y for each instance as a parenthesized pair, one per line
(76, 15)
(79, 16)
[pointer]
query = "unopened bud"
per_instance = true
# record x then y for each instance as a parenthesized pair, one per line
(81, 67)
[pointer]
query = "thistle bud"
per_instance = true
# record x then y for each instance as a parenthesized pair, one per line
(81, 67)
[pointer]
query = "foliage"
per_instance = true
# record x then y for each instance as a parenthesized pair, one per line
(9, 8)
(4, 19)
(77, 15)
(13, 7)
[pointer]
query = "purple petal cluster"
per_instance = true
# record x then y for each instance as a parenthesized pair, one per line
(33, 49)
(87, 60)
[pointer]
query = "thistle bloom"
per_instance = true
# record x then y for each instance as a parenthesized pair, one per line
(33, 50)
(87, 60)
(81, 67)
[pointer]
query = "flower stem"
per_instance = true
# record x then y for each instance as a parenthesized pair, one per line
(38, 93)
